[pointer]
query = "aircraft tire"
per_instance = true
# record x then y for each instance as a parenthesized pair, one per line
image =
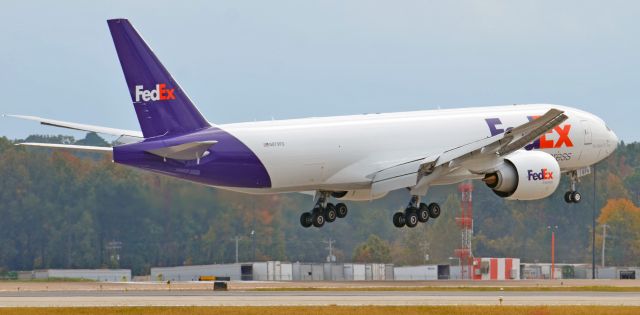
(305, 219)
(434, 210)
(567, 197)
(318, 219)
(398, 219)
(423, 213)
(330, 213)
(411, 217)
(576, 197)
(341, 210)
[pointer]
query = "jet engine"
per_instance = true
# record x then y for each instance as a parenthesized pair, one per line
(525, 175)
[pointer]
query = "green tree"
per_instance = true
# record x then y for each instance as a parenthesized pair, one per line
(374, 250)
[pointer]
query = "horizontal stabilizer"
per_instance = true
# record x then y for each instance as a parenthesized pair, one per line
(186, 151)
(69, 147)
(83, 127)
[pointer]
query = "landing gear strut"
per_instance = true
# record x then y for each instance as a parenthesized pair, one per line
(573, 196)
(323, 212)
(416, 212)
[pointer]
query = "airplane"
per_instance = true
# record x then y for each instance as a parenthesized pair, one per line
(518, 151)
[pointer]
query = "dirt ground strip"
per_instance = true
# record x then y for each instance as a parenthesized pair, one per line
(252, 285)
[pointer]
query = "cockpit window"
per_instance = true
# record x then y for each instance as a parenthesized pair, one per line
(608, 129)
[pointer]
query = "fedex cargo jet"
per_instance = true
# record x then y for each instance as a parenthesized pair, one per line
(519, 151)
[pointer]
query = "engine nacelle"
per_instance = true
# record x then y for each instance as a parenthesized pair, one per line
(358, 195)
(525, 175)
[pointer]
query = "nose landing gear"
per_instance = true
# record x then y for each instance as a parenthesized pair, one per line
(573, 196)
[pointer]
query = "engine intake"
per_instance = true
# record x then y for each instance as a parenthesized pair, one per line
(525, 175)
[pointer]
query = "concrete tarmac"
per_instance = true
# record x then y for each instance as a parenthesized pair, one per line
(306, 298)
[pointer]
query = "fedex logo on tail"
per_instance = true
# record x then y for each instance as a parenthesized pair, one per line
(161, 93)
(542, 175)
(542, 142)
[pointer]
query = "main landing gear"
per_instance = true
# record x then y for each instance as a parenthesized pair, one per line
(572, 196)
(416, 212)
(323, 212)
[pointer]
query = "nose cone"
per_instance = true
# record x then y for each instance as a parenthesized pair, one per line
(611, 140)
(614, 137)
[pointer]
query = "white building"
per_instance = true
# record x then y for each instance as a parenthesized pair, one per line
(114, 275)
(277, 271)
(425, 272)
(260, 271)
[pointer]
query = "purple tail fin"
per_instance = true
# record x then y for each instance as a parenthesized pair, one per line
(161, 105)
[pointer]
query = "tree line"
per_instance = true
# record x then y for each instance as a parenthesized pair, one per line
(69, 210)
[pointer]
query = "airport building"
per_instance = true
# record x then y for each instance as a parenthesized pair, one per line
(485, 269)
(425, 272)
(496, 269)
(576, 271)
(482, 269)
(112, 275)
(277, 271)
(262, 271)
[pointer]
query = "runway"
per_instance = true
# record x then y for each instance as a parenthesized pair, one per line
(302, 298)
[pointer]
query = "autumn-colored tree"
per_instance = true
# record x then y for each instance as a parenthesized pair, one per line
(62, 210)
(632, 182)
(623, 240)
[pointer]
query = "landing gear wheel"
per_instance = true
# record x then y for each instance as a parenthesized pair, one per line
(434, 210)
(317, 219)
(330, 213)
(398, 219)
(305, 219)
(567, 197)
(576, 197)
(411, 217)
(341, 210)
(423, 213)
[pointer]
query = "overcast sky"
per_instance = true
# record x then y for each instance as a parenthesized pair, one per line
(258, 60)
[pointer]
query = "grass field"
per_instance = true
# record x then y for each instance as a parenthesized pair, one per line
(338, 310)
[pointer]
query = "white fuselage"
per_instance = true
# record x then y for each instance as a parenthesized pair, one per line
(341, 153)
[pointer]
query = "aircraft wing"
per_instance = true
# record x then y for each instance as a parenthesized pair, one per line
(83, 127)
(477, 157)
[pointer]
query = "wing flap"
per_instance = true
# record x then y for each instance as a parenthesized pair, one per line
(400, 176)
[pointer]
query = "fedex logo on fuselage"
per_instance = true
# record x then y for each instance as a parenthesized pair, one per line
(544, 174)
(161, 93)
(542, 142)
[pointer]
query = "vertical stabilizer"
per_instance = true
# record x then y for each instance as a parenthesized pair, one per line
(161, 105)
